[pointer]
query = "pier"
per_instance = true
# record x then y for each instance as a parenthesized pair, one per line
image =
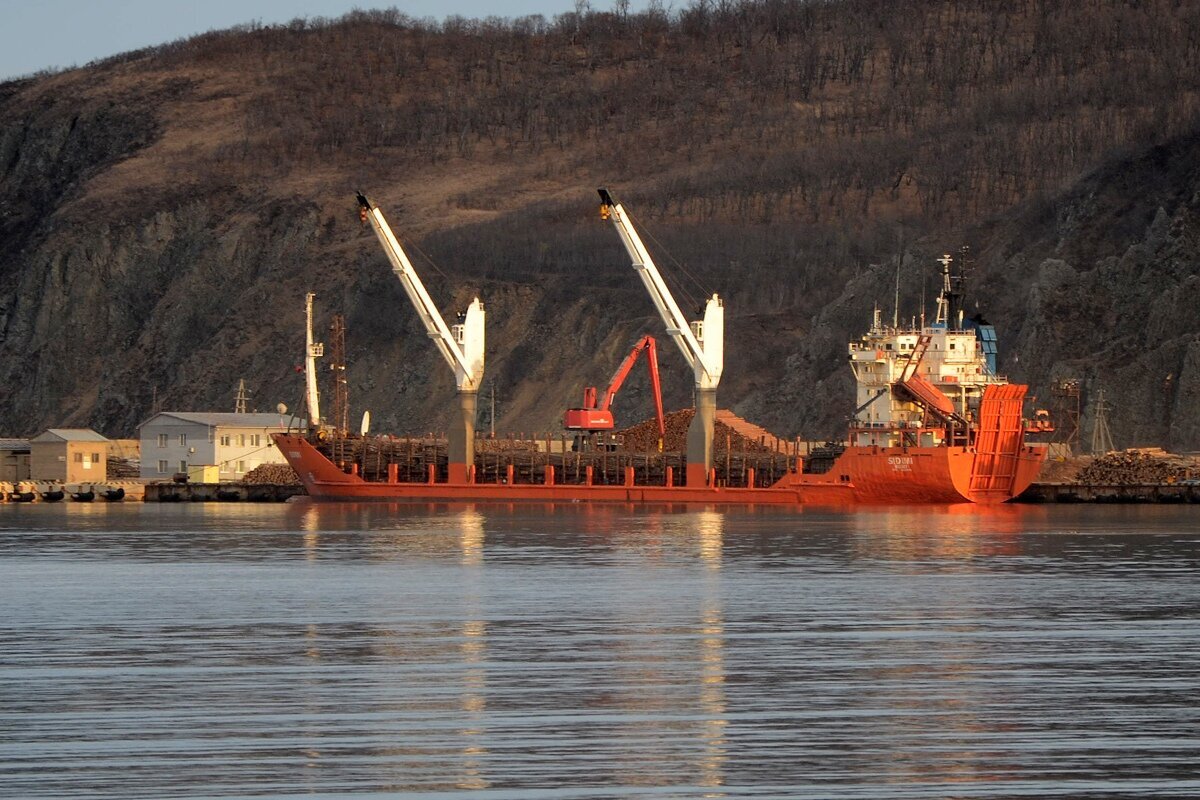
(221, 492)
(1099, 493)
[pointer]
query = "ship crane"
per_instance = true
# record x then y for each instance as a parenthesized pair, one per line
(596, 415)
(701, 342)
(461, 345)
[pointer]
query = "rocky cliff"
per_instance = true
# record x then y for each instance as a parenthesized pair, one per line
(163, 213)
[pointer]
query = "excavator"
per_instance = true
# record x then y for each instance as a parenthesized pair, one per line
(596, 417)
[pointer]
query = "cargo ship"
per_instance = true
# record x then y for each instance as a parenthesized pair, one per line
(934, 423)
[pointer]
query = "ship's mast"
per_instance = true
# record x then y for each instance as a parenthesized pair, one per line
(899, 266)
(312, 351)
(942, 316)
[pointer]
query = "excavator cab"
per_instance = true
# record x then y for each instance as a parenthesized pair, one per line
(593, 421)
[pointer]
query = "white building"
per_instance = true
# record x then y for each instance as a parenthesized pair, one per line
(182, 441)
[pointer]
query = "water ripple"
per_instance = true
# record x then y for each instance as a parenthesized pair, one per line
(320, 651)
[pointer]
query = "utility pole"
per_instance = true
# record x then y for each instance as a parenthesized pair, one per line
(1102, 441)
(239, 403)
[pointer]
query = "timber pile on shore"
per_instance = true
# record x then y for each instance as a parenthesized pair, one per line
(1063, 470)
(1136, 468)
(117, 468)
(271, 474)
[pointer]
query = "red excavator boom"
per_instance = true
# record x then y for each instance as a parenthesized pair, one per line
(595, 416)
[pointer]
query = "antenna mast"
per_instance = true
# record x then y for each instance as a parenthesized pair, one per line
(337, 365)
(899, 264)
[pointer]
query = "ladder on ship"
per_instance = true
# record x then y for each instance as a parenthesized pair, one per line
(915, 357)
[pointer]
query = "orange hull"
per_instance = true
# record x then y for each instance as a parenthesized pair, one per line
(918, 475)
(861, 475)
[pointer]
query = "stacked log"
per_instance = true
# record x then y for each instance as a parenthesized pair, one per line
(1063, 470)
(271, 474)
(1135, 468)
(117, 468)
(643, 437)
(505, 445)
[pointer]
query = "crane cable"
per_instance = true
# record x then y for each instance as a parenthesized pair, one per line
(699, 284)
(411, 245)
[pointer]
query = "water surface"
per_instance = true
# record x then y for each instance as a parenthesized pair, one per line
(311, 650)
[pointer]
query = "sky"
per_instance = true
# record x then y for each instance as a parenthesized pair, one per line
(51, 34)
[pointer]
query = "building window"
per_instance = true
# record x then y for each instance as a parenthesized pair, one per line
(162, 440)
(225, 441)
(95, 458)
(255, 440)
(183, 465)
(241, 467)
(183, 440)
(241, 440)
(162, 467)
(79, 458)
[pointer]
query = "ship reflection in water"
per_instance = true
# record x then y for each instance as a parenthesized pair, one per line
(330, 650)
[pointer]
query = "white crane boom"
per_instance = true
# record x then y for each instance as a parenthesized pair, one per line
(463, 349)
(702, 344)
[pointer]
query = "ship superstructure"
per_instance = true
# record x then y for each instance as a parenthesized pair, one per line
(921, 385)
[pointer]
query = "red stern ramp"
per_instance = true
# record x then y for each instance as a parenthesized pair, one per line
(1004, 465)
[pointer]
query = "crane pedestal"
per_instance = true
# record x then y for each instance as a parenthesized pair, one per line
(461, 439)
(700, 438)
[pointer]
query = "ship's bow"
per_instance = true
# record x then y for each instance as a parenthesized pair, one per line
(313, 468)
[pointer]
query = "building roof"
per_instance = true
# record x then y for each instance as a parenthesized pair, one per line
(14, 444)
(69, 435)
(229, 420)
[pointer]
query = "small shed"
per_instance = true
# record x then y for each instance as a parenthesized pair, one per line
(70, 455)
(14, 460)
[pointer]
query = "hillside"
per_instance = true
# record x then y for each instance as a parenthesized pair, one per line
(163, 213)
